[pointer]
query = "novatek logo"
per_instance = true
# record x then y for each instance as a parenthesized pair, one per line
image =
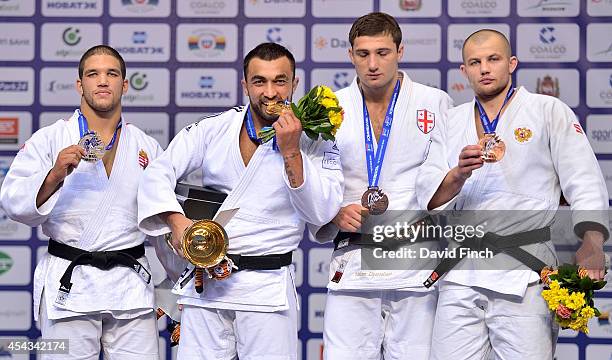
(71, 36)
(410, 5)
(206, 42)
(139, 40)
(548, 86)
(207, 82)
(6, 262)
(72, 5)
(138, 81)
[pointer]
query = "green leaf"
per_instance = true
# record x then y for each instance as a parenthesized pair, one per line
(327, 136)
(598, 285)
(597, 312)
(586, 283)
(311, 134)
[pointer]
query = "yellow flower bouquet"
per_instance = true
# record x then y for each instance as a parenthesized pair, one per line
(569, 294)
(319, 112)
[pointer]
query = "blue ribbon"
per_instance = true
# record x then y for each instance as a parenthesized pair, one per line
(375, 162)
(250, 128)
(490, 126)
(84, 130)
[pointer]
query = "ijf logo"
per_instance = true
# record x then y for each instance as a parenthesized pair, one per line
(71, 36)
(138, 81)
(273, 34)
(426, 121)
(206, 42)
(341, 80)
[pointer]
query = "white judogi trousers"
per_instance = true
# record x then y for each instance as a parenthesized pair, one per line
(119, 339)
(474, 323)
(219, 334)
(374, 325)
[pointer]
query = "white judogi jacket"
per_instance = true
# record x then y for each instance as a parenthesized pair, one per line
(90, 211)
(407, 149)
(272, 216)
(555, 157)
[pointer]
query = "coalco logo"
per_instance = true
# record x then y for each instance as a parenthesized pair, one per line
(548, 47)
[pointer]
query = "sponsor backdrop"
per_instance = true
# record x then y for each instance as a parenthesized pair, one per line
(185, 61)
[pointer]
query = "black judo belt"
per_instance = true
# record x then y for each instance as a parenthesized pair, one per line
(262, 262)
(509, 245)
(344, 239)
(103, 260)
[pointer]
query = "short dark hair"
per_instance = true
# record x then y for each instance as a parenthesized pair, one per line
(376, 23)
(482, 35)
(268, 51)
(101, 50)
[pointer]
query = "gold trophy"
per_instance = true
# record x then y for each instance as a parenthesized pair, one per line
(204, 244)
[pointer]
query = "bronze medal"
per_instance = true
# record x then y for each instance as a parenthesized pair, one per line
(493, 148)
(375, 201)
(94, 147)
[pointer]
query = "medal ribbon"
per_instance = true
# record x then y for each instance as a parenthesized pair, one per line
(375, 162)
(490, 126)
(250, 128)
(84, 130)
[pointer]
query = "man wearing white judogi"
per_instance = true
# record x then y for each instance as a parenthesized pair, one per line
(94, 286)
(253, 313)
(380, 313)
(499, 312)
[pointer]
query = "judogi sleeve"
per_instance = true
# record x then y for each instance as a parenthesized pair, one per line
(580, 177)
(25, 178)
(318, 199)
(156, 190)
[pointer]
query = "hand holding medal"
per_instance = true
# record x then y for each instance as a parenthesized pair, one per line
(92, 144)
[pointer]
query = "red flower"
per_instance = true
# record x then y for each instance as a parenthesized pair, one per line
(564, 312)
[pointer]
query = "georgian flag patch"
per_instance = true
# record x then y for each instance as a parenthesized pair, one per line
(426, 121)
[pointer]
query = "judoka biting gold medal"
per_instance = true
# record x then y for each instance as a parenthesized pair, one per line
(93, 145)
(493, 148)
(375, 201)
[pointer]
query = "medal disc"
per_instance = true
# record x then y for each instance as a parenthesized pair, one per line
(93, 145)
(276, 108)
(493, 148)
(375, 201)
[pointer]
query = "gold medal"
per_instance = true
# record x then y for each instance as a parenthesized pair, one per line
(94, 147)
(493, 148)
(276, 108)
(375, 201)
